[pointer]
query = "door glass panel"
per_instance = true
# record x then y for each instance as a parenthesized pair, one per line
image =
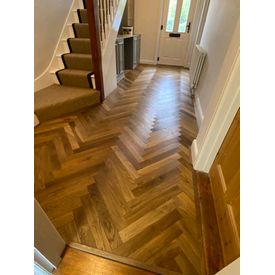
(184, 15)
(171, 15)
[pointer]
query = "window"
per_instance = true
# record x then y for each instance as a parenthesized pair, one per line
(184, 15)
(171, 15)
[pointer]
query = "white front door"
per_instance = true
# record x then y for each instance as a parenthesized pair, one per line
(175, 31)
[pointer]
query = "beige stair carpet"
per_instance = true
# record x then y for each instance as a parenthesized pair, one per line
(56, 100)
(78, 63)
(76, 90)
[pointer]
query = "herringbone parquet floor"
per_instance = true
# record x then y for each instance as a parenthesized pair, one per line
(118, 177)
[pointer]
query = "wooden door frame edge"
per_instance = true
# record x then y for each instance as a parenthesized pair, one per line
(212, 260)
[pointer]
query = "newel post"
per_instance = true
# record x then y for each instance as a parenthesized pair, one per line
(94, 30)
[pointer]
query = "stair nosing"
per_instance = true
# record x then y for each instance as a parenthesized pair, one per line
(74, 53)
(67, 69)
(79, 38)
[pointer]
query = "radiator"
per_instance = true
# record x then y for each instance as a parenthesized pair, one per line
(196, 67)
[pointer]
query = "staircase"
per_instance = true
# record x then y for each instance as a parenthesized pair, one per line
(76, 89)
(78, 63)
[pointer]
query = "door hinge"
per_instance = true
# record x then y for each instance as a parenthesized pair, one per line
(161, 27)
(158, 58)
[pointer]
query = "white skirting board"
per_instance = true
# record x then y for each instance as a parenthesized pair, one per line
(148, 62)
(36, 120)
(194, 150)
(198, 111)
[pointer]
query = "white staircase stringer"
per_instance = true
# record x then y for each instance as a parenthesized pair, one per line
(48, 77)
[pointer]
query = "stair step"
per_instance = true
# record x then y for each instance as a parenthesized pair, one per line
(78, 61)
(81, 30)
(82, 15)
(80, 45)
(56, 100)
(76, 78)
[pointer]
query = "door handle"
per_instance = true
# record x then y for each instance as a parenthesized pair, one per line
(188, 27)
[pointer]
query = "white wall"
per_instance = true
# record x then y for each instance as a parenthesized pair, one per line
(46, 238)
(217, 121)
(221, 24)
(49, 18)
(217, 96)
(147, 23)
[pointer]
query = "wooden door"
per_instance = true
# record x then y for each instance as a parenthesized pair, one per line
(175, 31)
(225, 184)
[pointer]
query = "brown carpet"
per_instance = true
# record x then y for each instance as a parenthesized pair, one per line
(56, 100)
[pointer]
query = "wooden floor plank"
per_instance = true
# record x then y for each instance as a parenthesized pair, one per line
(118, 177)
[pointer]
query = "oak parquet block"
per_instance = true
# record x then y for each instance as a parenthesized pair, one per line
(118, 177)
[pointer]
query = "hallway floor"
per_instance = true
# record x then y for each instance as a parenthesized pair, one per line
(118, 177)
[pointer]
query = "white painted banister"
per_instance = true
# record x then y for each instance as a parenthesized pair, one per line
(103, 34)
(107, 11)
(110, 14)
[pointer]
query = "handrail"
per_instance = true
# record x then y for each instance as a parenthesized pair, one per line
(95, 37)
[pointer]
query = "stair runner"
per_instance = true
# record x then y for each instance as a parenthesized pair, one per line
(78, 63)
(76, 90)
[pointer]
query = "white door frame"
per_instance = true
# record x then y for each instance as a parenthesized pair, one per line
(159, 33)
